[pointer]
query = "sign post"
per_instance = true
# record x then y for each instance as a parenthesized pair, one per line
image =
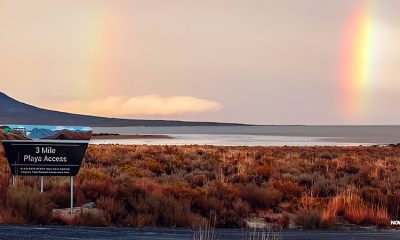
(71, 182)
(41, 184)
(36, 150)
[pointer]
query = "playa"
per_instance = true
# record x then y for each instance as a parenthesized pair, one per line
(258, 135)
(128, 136)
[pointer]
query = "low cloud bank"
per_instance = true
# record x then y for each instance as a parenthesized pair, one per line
(123, 106)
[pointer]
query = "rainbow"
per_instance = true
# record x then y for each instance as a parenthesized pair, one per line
(99, 41)
(356, 60)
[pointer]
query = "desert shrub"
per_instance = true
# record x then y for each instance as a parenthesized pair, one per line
(394, 205)
(308, 219)
(362, 178)
(320, 167)
(4, 186)
(289, 190)
(92, 217)
(284, 221)
(355, 210)
(180, 190)
(95, 190)
(174, 213)
(229, 218)
(307, 155)
(223, 191)
(306, 179)
(92, 174)
(258, 155)
(143, 205)
(241, 208)
(358, 212)
(257, 197)
(27, 203)
(60, 196)
(153, 210)
(333, 209)
(170, 186)
(204, 205)
(350, 169)
(149, 185)
(323, 187)
(373, 196)
(154, 166)
(241, 179)
(367, 214)
(198, 180)
(131, 170)
(114, 210)
(328, 156)
(263, 172)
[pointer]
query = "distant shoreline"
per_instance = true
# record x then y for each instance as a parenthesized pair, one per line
(106, 136)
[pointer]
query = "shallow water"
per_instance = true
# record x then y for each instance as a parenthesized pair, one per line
(260, 135)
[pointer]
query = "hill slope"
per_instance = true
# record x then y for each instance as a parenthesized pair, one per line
(16, 112)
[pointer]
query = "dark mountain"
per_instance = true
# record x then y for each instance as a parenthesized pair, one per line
(15, 112)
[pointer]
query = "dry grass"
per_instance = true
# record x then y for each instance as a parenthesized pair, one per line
(355, 210)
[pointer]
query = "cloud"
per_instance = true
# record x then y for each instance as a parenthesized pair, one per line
(148, 105)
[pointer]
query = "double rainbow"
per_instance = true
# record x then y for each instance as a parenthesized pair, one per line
(356, 60)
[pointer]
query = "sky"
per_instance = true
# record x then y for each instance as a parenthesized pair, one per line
(261, 62)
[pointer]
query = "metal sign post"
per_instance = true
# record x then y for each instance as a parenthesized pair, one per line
(71, 182)
(36, 150)
(41, 184)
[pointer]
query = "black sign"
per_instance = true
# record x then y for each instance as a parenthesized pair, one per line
(44, 158)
